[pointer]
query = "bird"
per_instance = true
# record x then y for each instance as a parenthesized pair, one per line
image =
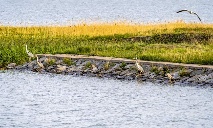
(39, 63)
(140, 68)
(190, 12)
(31, 55)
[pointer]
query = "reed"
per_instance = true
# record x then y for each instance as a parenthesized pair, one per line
(110, 39)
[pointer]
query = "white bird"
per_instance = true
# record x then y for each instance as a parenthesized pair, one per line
(140, 68)
(29, 54)
(190, 12)
(39, 63)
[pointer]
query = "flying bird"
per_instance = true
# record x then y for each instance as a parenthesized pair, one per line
(29, 54)
(190, 12)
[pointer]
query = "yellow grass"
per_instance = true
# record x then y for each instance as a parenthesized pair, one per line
(102, 29)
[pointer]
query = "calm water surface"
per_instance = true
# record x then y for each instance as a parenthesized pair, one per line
(43, 100)
(64, 12)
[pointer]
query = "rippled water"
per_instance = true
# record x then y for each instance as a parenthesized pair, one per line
(62, 12)
(44, 100)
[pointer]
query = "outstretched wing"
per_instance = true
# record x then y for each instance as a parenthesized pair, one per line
(182, 11)
(197, 16)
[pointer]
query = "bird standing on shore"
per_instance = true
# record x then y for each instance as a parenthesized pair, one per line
(39, 63)
(29, 54)
(140, 68)
(190, 12)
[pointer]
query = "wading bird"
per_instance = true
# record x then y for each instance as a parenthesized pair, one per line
(29, 54)
(190, 12)
(39, 63)
(140, 68)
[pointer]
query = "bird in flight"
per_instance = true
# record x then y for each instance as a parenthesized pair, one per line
(190, 12)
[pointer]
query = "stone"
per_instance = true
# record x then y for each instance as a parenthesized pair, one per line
(196, 72)
(176, 75)
(11, 65)
(152, 75)
(210, 81)
(61, 68)
(191, 80)
(50, 67)
(94, 68)
(120, 77)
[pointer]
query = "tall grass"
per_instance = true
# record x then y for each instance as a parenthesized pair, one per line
(108, 39)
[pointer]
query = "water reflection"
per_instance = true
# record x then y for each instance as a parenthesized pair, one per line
(44, 100)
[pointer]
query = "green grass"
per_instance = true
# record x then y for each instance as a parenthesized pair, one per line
(181, 45)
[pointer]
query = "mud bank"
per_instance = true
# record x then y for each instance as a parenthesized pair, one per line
(120, 68)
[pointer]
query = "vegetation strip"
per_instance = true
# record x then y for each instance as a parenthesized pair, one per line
(176, 42)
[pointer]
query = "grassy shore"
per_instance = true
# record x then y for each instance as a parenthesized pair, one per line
(173, 42)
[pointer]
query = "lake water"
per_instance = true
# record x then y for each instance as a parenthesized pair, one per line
(66, 12)
(35, 100)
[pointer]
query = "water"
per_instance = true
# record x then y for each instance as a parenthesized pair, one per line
(66, 12)
(44, 100)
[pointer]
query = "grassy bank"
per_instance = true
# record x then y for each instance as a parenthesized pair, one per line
(173, 42)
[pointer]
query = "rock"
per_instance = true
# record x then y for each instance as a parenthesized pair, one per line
(94, 68)
(61, 68)
(210, 76)
(196, 72)
(50, 67)
(72, 69)
(202, 78)
(176, 75)
(11, 65)
(210, 81)
(58, 62)
(114, 68)
(120, 77)
(123, 73)
(78, 62)
(129, 66)
(42, 59)
(100, 66)
(190, 80)
(152, 75)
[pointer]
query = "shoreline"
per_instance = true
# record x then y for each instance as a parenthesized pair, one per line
(176, 42)
(122, 69)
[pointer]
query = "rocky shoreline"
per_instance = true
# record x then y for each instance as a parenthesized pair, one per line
(120, 68)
